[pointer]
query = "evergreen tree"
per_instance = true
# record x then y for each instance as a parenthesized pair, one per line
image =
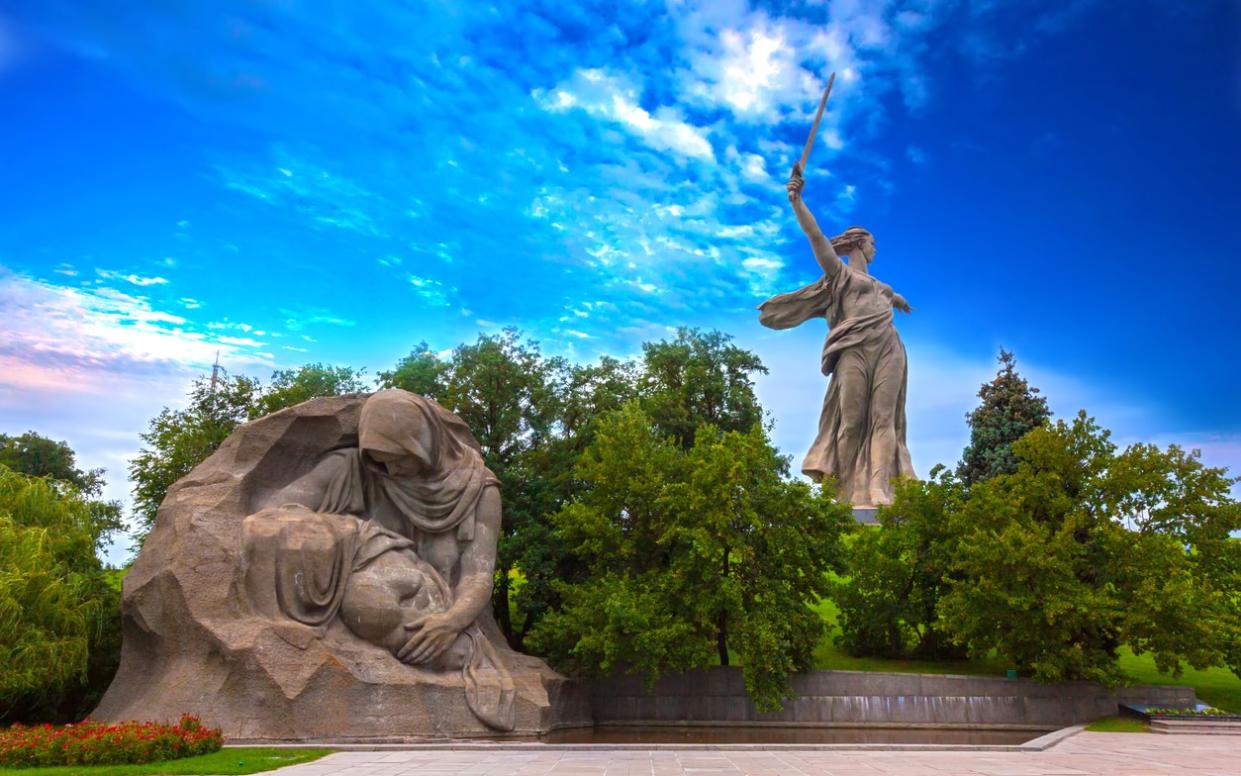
(1010, 409)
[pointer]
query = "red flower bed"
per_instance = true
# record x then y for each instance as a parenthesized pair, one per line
(96, 743)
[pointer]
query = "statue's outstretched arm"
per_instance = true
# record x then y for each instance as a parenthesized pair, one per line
(896, 299)
(824, 253)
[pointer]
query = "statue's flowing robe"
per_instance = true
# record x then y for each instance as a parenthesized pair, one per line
(863, 339)
(443, 496)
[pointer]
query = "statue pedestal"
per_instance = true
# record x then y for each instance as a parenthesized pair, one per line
(866, 515)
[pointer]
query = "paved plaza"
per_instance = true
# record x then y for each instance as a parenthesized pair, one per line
(1086, 754)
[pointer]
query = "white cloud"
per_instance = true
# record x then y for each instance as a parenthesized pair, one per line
(137, 280)
(754, 169)
(617, 99)
(753, 72)
(60, 338)
(433, 291)
(296, 320)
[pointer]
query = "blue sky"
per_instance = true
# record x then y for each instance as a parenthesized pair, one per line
(286, 182)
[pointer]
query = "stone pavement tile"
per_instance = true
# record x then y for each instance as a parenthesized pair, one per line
(1087, 754)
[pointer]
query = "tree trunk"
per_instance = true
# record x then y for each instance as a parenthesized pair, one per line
(721, 627)
(499, 601)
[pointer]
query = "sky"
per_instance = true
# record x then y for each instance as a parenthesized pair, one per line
(282, 182)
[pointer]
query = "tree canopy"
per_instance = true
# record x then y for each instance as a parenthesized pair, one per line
(59, 615)
(897, 574)
(690, 556)
(1081, 550)
(34, 454)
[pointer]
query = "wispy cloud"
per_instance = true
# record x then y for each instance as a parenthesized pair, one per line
(63, 338)
(618, 99)
(433, 292)
(296, 320)
(131, 278)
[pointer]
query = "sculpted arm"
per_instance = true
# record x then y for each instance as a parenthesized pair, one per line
(433, 634)
(478, 561)
(824, 253)
(896, 299)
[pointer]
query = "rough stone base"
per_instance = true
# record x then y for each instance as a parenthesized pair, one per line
(271, 688)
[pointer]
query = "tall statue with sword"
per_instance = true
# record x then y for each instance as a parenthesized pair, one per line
(860, 445)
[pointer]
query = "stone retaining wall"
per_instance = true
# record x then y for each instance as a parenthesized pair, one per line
(842, 698)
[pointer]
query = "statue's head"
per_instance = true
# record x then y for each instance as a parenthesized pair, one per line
(402, 434)
(395, 433)
(855, 242)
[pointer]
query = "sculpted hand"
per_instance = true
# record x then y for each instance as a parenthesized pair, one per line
(432, 634)
(795, 185)
(899, 303)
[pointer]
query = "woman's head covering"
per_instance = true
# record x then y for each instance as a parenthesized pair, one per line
(444, 493)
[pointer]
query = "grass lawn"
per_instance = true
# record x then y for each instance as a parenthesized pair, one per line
(1216, 686)
(223, 762)
(1118, 725)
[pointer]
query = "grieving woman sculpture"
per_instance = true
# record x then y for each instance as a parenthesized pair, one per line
(861, 437)
(326, 574)
(397, 537)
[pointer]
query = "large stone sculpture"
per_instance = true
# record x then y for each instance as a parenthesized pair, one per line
(861, 438)
(327, 573)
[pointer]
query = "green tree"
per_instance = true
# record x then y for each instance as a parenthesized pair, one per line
(59, 616)
(178, 440)
(1081, 550)
(588, 392)
(699, 378)
(421, 372)
(1010, 409)
(688, 555)
(310, 381)
(898, 573)
(38, 456)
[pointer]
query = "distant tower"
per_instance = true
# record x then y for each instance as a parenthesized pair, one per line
(217, 372)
